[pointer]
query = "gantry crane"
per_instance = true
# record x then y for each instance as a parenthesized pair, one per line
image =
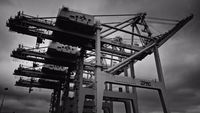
(86, 64)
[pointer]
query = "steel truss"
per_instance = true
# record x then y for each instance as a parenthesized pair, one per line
(88, 85)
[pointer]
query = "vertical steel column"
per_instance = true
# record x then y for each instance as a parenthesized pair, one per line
(79, 75)
(158, 65)
(132, 71)
(162, 92)
(53, 102)
(65, 98)
(127, 106)
(126, 75)
(98, 92)
(135, 102)
(57, 106)
(110, 85)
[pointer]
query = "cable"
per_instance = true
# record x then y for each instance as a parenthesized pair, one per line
(162, 19)
(111, 23)
(115, 15)
(159, 22)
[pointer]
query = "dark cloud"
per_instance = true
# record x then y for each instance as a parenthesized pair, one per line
(6, 2)
(179, 55)
(148, 101)
(6, 38)
(183, 98)
(5, 42)
(21, 101)
(20, 107)
(185, 94)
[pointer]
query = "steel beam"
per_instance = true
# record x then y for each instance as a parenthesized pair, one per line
(130, 59)
(127, 81)
(109, 95)
(25, 83)
(126, 21)
(37, 74)
(29, 25)
(148, 38)
(98, 93)
(39, 25)
(162, 92)
(164, 37)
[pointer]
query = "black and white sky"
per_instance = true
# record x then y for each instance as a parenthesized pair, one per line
(179, 56)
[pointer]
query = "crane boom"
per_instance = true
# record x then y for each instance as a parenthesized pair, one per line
(159, 40)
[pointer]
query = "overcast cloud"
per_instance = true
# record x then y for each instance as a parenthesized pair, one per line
(179, 56)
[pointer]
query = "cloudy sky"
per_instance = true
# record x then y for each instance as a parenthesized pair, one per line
(180, 55)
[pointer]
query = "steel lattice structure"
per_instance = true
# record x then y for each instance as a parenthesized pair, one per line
(83, 65)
